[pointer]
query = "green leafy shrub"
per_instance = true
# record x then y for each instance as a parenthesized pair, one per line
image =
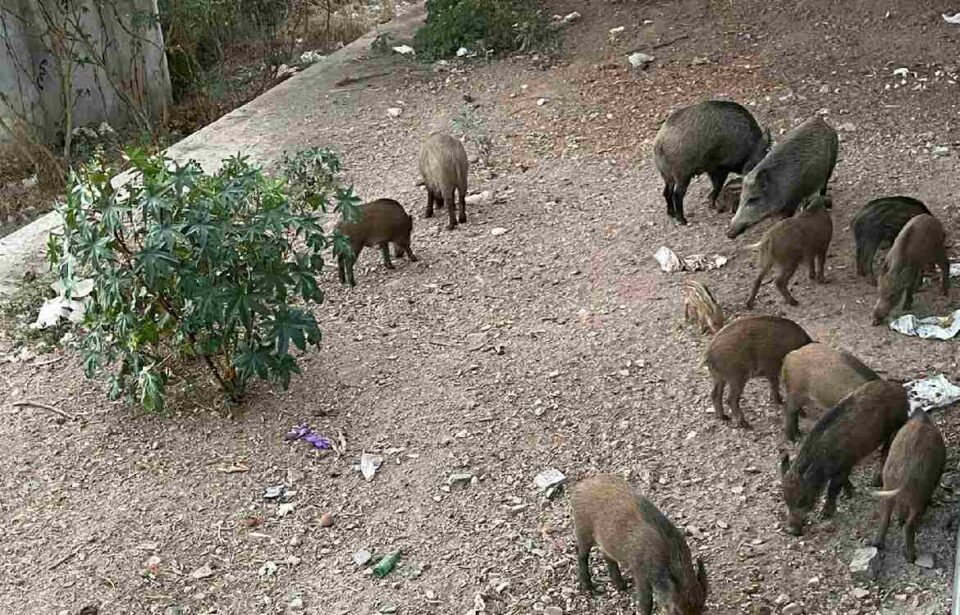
(220, 268)
(498, 25)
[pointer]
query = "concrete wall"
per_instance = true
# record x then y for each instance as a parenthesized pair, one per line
(126, 82)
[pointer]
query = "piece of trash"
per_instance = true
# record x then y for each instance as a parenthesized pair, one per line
(385, 565)
(549, 481)
(404, 49)
(930, 393)
(936, 327)
(481, 198)
(640, 60)
(571, 17)
(234, 468)
(267, 570)
(311, 56)
(304, 432)
(285, 509)
(202, 572)
(954, 270)
(901, 72)
(955, 19)
(362, 557)
(60, 308)
(541, 102)
(463, 51)
(615, 32)
(463, 479)
(498, 230)
(670, 262)
(394, 111)
(152, 564)
(285, 72)
(369, 464)
(273, 492)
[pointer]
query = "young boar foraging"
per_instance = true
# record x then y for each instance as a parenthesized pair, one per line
(819, 374)
(699, 306)
(443, 166)
(910, 476)
(378, 223)
(716, 137)
(631, 531)
(746, 348)
(803, 238)
(863, 421)
(729, 197)
(877, 225)
(794, 169)
(918, 245)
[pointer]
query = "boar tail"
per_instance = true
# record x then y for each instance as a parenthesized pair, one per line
(886, 495)
(755, 246)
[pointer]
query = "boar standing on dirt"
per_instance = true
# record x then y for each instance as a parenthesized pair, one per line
(699, 306)
(877, 225)
(378, 223)
(716, 137)
(819, 374)
(794, 169)
(910, 476)
(631, 531)
(443, 165)
(803, 238)
(919, 245)
(866, 419)
(729, 197)
(746, 348)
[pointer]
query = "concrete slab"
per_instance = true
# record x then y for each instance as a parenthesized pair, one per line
(262, 129)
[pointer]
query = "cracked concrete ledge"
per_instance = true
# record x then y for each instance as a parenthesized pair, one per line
(260, 129)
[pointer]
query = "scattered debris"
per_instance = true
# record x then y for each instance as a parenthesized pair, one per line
(385, 565)
(865, 564)
(273, 492)
(640, 60)
(670, 262)
(304, 432)
(499, 230)
(61, 308)
(362, 557)
(404, 50)
(202, 572)
(267, 570)
(462, 52)
(930, 393)
(549, 482)
(481, 198)
(572, 17)
(369, 464)
(394, 111)
(936, 327)
(954, 19)
(311, 57)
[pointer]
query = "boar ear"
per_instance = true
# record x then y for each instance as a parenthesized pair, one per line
(702, 575)
(784, 463)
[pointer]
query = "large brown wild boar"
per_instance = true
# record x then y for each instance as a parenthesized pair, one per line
(378, 223)
(443, 166)
(631, 531)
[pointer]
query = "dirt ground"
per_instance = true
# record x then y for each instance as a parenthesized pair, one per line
(556, 344)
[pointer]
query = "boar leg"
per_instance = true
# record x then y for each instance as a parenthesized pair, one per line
(615, 577)
(886, 510)
(756, 286)
(451, 208)
(584, 544)
(717, 178)
(733, 400)
(833, 490)
(428, 212)
(462, 193)
(644, 592)
(791, 417)
(385, 253)
(403, 247)
(783, 280)
(944, 265)
(679, 191)
(909, 534)
(717, 397)
(822, 258)
(668, 196)
(775, 389)
(341, 269)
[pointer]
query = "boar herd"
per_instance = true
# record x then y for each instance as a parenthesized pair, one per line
(860, 412)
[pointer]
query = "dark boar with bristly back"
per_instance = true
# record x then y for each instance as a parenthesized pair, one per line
(631, 531)
(920, 244)
(802, 238)
(443, 166)
(877, 225)
(379, 223)
(863, 421)
(746, 348)
(910, 476)
(819, 375)
(715, 137)
(795, 168)
(700, 307)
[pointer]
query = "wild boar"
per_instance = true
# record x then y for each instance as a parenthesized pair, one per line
(729, 198)
(877, 225)
(443, 166)
(699, 306)
(378, 223)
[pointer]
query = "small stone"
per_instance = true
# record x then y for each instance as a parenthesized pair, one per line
(848, 127)
(549, 480)
(925, 560)
(267, 570)
(824, 89)
(615, 32)
(296, 541)
(860, 593)
(792, 609)
(296, 604)
(388, 608)
(541, 102)
(461, 480)
(202, 572)
(865, 564)
(482, 198)
(274, 492)
(640, 60)
(941, 150)
(723, 525)
(813, 581)
(571, 17)
(362, 557)
(430, 594)
(326, 519)
(695, 532)
(782, 599)
(394, 111)
(553, 610)
(498, 230)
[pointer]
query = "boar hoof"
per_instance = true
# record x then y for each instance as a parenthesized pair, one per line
(827, 512)
(795, 530)
(681, 220)
(452, 226)
(462, 218)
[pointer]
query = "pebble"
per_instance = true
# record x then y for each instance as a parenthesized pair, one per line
(925, 560)
(571, 17)
(326, 519)
(498, 230)
(361, 557)
(792, 609)
(553, 610)
(860, 593)
(296, 604)
(388, 608)
(296, 541)
(640, 60)
(394, 111)
(865, 564)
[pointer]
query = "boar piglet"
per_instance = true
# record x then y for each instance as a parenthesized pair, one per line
(795, 168)
(866, 419)
(746, 348)
(379, 223)
(631, 532)
(443, 166)
(920, 244)
(910, 476)
(820, 375)
(877, 225)
(716, 137)
(699, 306)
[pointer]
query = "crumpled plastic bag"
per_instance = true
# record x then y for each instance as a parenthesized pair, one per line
(936, 327)
(60, 308)
(955, 270)
(930, 393)
(955, 19)
(670, 262)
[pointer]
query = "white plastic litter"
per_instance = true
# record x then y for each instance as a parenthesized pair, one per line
(935, 327)
(955, 19)
(955, 270)
(930, 393)
(670, 262)
(60, 308)
(463, 51)
(369, 464)
(640, 60)
(403, 49)
(311, 56)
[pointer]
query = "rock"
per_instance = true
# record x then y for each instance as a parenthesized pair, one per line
(792, 609)
(640, 60)
(571, 17)
(296, 604)
(388, 608)
(615, 32)
(848, 126)
(296, 541)
(326, 519)
(824, 89)
(273, 492)
(267, 570)
(202, 572)
(549, 481)
(481, 198)
(695, 532)
(498, 230)
(463, 51)
(553, 610)
(461, 480)
(860, 593)
(369, 464)
(941, 150)
(925, 560)
(394, 111)
(541, 102)
(813, 581)
(782, 599)
(865, 564)
(362, 557)
(403, 49)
